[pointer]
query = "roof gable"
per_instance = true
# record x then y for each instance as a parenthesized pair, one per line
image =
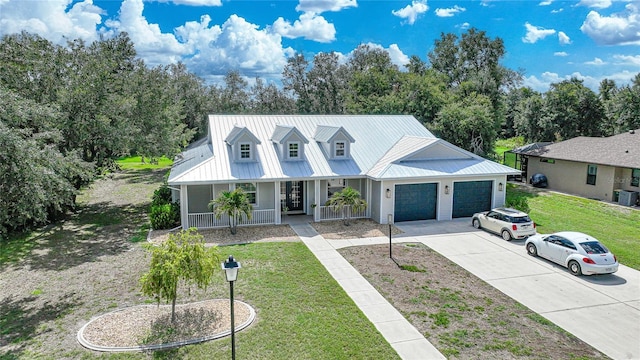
(437, 150)
(240, 132)
(327, 134)
(283, 133)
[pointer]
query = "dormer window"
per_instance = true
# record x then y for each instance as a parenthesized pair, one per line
(243, 144)
(290, 142)
(340, 146)
(245, 151)
(334, 141)
(294, 150)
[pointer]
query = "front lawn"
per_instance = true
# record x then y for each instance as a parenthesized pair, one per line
(615, 226)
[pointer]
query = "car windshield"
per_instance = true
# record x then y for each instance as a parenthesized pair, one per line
(519, 219)
(594, 247)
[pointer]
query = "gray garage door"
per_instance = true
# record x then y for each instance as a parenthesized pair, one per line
(415, 202)
(470, 197)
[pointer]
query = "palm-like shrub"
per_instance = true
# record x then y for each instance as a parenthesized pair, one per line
(234, 204)
(346, 201)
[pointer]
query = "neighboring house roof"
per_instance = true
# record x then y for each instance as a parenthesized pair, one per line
(622, 150)
(383, 147)
(530, 147)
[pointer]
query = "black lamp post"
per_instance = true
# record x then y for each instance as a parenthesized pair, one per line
(390, 222)
(230, 267)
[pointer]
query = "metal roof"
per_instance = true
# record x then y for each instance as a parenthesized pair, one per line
(384, 146)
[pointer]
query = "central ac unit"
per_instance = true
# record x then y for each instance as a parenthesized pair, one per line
(627, 198)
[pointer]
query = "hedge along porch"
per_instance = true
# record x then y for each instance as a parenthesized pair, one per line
(296, 162)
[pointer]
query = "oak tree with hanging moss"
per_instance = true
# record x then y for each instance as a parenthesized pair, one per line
(182, 257)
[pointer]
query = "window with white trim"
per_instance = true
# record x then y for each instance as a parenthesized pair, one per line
(251, 190)
(294, 150)
(592, 172)
(245, 151)
(340, 149)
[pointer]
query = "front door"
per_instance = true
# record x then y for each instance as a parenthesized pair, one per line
(292, 196)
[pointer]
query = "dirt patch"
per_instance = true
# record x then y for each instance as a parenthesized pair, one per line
(244, 235)
(358, 228)
(461, 315)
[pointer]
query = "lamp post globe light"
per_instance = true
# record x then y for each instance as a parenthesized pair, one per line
(230, 267)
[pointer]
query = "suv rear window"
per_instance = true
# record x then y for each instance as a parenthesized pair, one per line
(518, 219)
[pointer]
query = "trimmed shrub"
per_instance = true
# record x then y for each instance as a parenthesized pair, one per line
(165, 216)
(161, 196)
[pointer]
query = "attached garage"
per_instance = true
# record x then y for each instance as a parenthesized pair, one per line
(470, 197)
(415, 202)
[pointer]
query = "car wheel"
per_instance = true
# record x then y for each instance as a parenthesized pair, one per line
(531, 249)
(574, 268)
(476, 223)
(506, 235)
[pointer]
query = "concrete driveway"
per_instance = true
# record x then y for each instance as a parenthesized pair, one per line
(602, 310)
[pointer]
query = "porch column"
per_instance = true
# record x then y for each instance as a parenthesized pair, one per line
(276, 202)
(184, 207)
(316, 197)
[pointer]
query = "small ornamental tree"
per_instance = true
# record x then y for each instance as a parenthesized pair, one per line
(234, 204)
(346, 201)
(182, 257)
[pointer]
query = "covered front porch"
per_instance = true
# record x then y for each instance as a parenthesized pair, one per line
(273, 202)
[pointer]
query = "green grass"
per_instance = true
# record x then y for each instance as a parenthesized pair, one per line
(136, 163)
(614, 226)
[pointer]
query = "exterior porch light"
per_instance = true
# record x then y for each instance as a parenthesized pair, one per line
(230, 267)
(446, 189)
(500, 187)
(388, 193)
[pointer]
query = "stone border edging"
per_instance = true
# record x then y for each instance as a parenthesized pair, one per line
(88, 345)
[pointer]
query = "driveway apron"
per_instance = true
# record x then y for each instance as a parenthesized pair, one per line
(602, 310)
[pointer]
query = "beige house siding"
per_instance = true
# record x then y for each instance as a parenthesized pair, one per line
(571, 177)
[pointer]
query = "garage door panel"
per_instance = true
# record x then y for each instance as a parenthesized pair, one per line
(470, 197)
(415, 202)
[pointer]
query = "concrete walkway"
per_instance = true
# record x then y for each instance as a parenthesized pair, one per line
(405, 339)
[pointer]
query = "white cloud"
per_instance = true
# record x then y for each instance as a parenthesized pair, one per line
(596, 62)
(557, 11)
(598, 4)
(560, 53)
(310, 26)
(617, 29)
(545, 3)
(547, 78)
(633, 60)
(397, 56)
(320, 6)
(535, 33)
(51, 19)
(450, 11)
(412, 12)
(151, 44)
(195, 2)
(563, 38)
(235, 45)
(464, 26)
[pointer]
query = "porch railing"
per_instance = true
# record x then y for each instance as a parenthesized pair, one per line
(332, 213)
(208, 220)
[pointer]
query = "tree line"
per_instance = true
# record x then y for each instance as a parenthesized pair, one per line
(67, 112)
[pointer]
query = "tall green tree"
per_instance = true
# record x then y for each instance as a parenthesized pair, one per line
(624, 108)
(469, 124)
(235, 204)
(269, 99)
(574, 110)
(347, 201)
(182, 257)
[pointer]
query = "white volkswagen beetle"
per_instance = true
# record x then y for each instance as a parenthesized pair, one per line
(580, 253)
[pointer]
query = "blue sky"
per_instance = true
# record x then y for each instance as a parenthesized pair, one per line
(550, 40)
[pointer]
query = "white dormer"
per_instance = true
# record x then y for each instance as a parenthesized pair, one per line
(290, 142)
(243, 144)
(335, 141)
